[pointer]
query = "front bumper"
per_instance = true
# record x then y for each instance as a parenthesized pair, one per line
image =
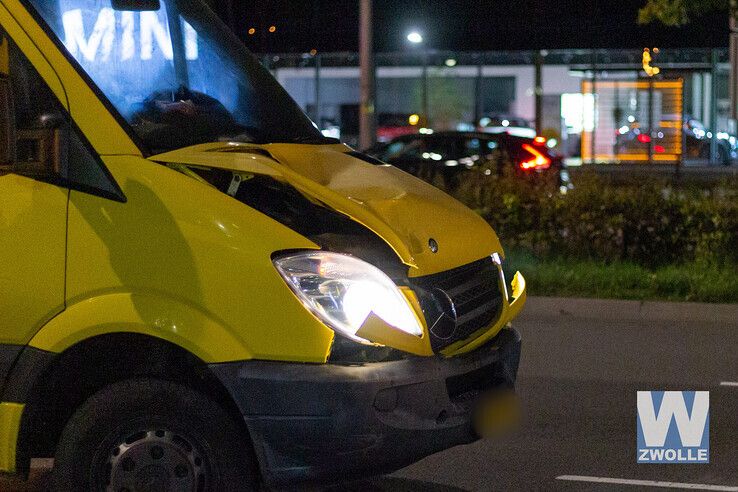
(333, 422)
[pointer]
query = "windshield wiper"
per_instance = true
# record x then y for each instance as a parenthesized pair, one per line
(310, 140)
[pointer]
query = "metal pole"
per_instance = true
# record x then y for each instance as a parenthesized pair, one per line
(594, 107)
(650, 120)
(698, 98)
(367, 115)
(617, 117)
(426, 109)
(713, 106)
(733, 67)
(316, 114)
(539, 91)
(478, 109)
(683, 138)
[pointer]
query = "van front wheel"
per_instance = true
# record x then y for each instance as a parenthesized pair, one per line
(152, 435)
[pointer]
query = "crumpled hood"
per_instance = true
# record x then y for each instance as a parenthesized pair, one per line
(406, 212)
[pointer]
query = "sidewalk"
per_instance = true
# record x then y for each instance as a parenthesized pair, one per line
(617, 310)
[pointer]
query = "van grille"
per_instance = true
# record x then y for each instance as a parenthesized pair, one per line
(458, 302)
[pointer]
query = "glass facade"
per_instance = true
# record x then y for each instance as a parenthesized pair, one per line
(447, 90)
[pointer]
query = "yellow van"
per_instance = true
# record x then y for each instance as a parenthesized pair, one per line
(199, 291)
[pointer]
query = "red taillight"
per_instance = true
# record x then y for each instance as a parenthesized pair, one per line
(643, 138)
(659, 149)
(540, 140)
(539, 161)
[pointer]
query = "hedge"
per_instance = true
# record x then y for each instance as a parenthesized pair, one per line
(650, 223)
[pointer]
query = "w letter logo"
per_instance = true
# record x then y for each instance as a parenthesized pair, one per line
(673, 427)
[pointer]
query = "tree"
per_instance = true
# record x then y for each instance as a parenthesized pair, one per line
(680, 12)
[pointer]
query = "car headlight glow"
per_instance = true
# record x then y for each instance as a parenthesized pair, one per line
(343, 290)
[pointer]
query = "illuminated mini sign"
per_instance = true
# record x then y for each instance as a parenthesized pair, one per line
(123, 36)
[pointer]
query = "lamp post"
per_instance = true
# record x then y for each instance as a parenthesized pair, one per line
(415, 38)
(733, 52)
(367, 106)
(538, 76)
(650, 70)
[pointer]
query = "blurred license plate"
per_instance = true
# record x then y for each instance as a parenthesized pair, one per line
(496, 413)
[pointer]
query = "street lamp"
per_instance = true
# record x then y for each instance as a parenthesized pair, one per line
(367, 110)
(415, 37)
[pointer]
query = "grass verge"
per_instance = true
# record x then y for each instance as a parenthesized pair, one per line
(622, 280)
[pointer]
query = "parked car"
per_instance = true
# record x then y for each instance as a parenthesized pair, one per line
(391, 125)
(450, 155)
(200, 291)
(512, 125)
(632, 139)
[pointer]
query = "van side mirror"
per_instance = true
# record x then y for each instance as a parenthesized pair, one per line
(7, 125)
(42, 152)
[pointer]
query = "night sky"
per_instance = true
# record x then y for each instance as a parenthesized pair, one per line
(466, 25)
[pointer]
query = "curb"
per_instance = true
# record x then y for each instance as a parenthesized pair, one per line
(617, 310)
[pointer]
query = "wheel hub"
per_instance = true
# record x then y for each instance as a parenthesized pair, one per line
(156, 461)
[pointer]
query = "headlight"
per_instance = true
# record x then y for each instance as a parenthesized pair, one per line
(342, 291)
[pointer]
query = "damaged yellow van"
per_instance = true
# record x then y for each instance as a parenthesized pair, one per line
(198, 290)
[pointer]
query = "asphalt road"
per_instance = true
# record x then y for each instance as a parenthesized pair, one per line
(583, 362)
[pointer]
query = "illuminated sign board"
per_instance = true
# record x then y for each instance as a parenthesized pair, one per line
(123, 36)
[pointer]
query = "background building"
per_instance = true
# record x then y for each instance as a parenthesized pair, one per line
(452, 90)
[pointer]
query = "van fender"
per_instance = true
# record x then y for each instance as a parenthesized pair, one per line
(149, 314)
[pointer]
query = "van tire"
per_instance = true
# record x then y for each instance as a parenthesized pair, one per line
(170, 430)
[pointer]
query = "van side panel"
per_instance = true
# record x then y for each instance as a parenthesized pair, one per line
(149, 314)
(10, 419)
(182, 261)
(32, 242)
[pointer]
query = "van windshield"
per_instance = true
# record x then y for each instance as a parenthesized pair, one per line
(177, 75)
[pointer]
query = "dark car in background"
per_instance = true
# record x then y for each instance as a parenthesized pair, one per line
(393, 125)
(631, 139)
(449, 155)
(512, 125)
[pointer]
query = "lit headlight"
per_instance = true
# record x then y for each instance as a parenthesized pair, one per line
(342, 291)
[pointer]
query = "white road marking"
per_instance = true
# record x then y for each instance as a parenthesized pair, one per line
(729, 383)
(648, 483)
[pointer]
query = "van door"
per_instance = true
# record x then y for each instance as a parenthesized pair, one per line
(33, 210)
